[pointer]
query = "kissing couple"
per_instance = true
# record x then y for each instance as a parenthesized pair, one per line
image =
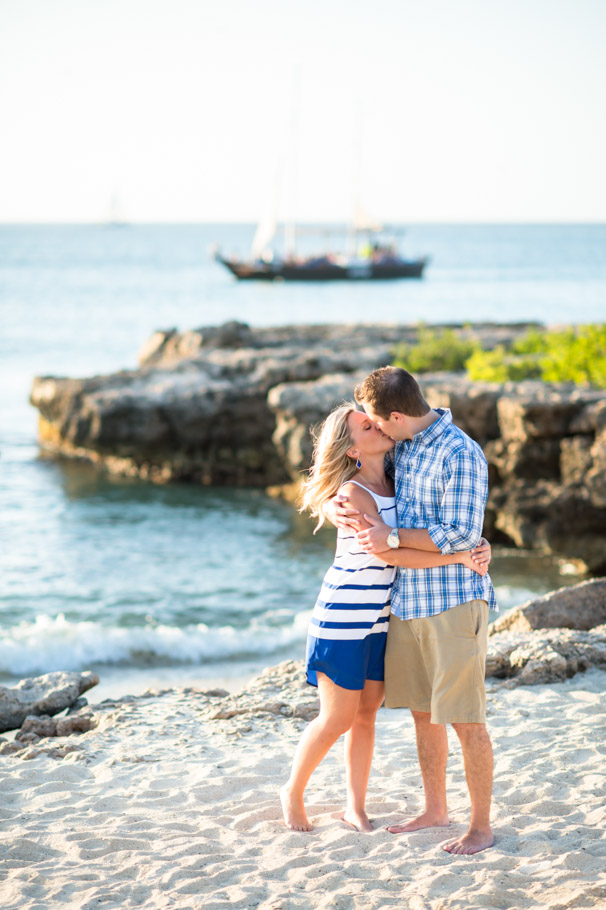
(402, 614)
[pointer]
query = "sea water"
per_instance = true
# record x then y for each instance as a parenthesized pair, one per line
(156, 585)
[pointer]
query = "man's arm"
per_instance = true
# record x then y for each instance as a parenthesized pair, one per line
(461, 513)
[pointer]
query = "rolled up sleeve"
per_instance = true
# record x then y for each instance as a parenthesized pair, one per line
(461, 513)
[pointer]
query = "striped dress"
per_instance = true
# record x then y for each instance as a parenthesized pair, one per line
(348, 627)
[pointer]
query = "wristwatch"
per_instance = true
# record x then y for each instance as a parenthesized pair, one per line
(393, 539)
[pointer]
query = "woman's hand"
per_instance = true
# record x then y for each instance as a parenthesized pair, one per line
(467, 559)
(482, 554)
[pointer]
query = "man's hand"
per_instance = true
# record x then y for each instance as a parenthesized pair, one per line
(482, 554)
(374, 539)
(341, 515)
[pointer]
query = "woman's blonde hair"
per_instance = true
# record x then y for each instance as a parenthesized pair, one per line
(331, 465)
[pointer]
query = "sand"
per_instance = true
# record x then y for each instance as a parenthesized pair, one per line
(163, 807)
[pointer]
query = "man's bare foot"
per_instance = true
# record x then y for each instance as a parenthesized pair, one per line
(293, 810)
(357, 820)
(473, 841)
(426, 820)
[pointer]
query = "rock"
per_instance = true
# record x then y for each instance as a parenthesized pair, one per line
(544, 656)
(28, 737)
(581, 606)
(538, 410)
(233, 405)
(77, 705)
(595, 478)
(36, 727)
(474, 405)
(48, 694)
(551, 638)
(279, 692)
(39, 725)
(11, 748)
(76, 723)
(576, 459)
(525, 459)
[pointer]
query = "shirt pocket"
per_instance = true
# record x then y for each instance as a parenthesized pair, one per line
(429, 487)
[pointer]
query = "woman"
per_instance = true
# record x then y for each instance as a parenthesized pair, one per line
(348, 629)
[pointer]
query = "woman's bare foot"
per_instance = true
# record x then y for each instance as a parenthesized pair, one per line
(472, 842)
(358, 820)
(426, 820)
(293, 810)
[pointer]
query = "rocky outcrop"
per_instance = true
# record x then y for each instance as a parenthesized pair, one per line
(551, 638)
(581, 606)
(42, 695)
(548, 655)
(280, 691)
(37, 727)
(233, 405)
(197, 408)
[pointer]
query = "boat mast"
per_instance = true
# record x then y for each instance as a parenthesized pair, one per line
(289, 225)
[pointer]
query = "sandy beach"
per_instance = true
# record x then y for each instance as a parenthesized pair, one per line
(171, 802)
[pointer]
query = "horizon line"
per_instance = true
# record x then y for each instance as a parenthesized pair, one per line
(321, 223)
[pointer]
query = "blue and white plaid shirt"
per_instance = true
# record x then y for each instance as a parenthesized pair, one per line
(441, 479)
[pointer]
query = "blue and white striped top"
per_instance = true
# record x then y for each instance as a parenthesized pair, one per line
(355, 598)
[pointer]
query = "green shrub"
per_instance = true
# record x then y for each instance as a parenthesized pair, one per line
(575, 354)
(500, 365)
(434, 351)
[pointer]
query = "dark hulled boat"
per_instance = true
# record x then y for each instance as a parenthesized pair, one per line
(325, 268)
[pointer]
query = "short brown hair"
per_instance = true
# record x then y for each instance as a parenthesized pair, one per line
(392, 389)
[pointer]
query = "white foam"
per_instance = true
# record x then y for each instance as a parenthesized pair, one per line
(56, 643)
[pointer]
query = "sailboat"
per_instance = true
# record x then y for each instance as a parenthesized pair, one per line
(373, 255)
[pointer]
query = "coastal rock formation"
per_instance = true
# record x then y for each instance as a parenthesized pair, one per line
(42, 695)
(197, 407)
(548, 655)
(35, 727)
(233, 405)
(550, 638)
(581, 606)
(279, 692)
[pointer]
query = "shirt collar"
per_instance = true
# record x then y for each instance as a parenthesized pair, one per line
(435, 429)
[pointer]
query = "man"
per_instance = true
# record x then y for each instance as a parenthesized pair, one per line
(436, 645)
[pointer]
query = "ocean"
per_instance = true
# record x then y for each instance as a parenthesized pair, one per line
(157, 586)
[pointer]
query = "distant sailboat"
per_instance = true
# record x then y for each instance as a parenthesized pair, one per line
(372, 251)
(372, 255)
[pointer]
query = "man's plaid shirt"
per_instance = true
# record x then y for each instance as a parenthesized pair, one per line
(441, 479)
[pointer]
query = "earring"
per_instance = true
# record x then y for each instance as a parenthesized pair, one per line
(358, 464)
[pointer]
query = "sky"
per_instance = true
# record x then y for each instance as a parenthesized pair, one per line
(193, 111)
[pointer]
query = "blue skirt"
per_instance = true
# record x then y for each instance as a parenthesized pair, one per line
(347, 663)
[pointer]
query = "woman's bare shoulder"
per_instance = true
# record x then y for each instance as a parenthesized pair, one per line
(359, 498)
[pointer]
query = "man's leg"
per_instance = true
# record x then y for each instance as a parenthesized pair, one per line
(477, 757)
(432, 748)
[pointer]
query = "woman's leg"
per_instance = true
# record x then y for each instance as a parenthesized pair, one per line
(338, 709)
(359, 746)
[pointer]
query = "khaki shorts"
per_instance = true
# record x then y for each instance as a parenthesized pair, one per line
(437, 664)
